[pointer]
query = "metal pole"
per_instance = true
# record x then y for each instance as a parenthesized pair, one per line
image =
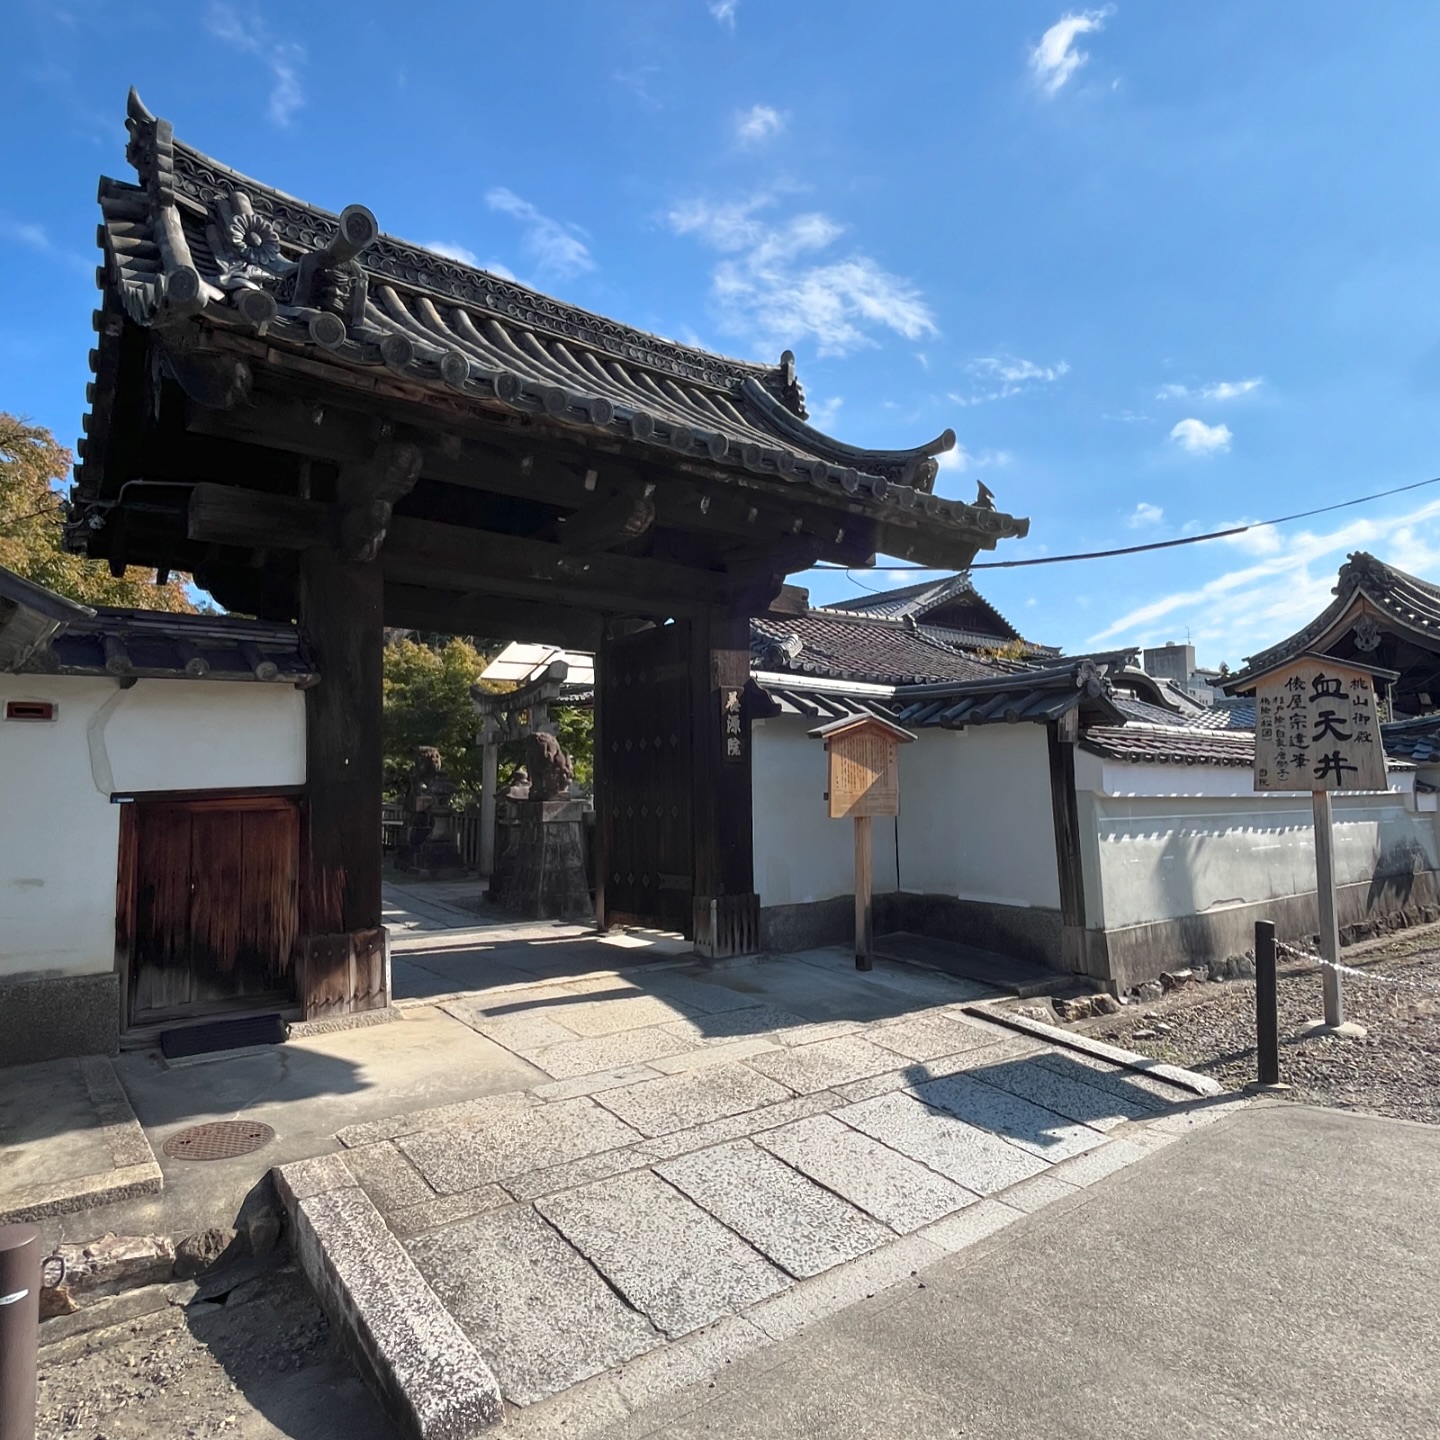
(1325, 906)
(20, 1259)
(1267, 1016)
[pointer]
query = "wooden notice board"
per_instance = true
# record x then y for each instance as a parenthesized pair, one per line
(864, 782)
(864, 773)
(1316, 728)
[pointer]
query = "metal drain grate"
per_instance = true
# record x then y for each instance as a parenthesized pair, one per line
(219, 1140)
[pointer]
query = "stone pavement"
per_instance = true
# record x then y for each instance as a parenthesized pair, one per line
(69, 1140)
(1276, 1275)
(720, 1155)
(440, 946)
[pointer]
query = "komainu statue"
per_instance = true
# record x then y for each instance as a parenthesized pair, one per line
(551, 770)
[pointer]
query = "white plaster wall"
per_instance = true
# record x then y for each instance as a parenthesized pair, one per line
(975, 819)
(801, 854)
(1161, 857)
(59, 831)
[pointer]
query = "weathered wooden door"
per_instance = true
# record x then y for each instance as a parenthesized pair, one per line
(645, 778)
(209, 905)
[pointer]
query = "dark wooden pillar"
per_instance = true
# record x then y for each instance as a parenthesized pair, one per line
(727, 910)
(1069, 861)
(342, 959)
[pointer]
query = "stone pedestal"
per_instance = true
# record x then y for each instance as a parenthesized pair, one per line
(431, 848)
(544, 875)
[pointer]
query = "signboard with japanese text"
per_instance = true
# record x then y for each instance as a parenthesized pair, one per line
(732, 731)
(1316, 728)
(864, 775)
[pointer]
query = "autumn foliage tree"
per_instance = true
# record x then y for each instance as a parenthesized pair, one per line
(33, 466)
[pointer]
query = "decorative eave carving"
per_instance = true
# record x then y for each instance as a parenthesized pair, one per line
(232, 256)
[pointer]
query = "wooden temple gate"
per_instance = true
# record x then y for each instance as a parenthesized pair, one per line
(326, 425)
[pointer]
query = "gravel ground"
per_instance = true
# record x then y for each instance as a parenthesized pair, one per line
(1394, 1070)
(261, 1366)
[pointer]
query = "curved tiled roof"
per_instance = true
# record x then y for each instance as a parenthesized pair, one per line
(1417, 740)
(865, 648)
(1169, 745)
(196, 239)
(1409, 603)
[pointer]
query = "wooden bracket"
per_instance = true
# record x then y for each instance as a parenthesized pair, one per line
(368, 491)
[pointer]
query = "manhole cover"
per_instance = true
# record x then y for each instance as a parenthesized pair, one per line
(219, 1140)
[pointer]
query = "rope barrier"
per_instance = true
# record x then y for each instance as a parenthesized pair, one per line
(1309, 958)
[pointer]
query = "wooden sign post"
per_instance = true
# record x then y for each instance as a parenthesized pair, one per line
(864, 782)
(1316, 729)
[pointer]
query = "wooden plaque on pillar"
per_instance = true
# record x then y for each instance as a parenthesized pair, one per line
(864, 782)
(864, 770)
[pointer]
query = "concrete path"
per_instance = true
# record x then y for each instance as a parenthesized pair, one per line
(1277, 1275)
(719, 1156)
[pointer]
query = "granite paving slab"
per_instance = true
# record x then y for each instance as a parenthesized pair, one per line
(1066, 1094)
(753, 1019)
(464, 1159)
(799, 1225)
(704, 997)
(735, 1127)
(387, 1177)
(478, 1112)
(972, 1157)
(526, 1035)
(441, 1210)
(806, 1068)
(413, 1349)
(575, 1173)
(677, 1102)
(538, 1311)
(930, 1035)
(666, 1256)
(1032, 1127)
(1141, 1089)
(822, 994)
(606, 1052)
(619, 1012)
(895, 1189)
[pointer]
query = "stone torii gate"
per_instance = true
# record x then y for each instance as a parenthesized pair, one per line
(324, 424)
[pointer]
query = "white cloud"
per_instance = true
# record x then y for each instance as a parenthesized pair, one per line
(758, 124)
(556, 249)
(283, 58)
(775, 286)
(1220, 390)
(462, 253)
(1002, 376)
(1198, 438)
(824, 415)
(37, 238)
(724, 11)
(1240, 612)
(1145, 514)
(960, 459)
(1056, 58)
(466, 256)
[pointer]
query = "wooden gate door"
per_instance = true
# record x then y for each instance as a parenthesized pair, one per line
(645, 779)
(209, 904)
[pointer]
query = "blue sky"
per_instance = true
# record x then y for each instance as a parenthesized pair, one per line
(1162, 266)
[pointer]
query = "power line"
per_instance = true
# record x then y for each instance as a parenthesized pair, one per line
(1154, 544)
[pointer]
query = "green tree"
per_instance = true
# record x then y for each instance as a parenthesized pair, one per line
(575, 730)
(427, 702)
(33, 466)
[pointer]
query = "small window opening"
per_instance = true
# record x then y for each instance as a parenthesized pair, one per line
(29, 709)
